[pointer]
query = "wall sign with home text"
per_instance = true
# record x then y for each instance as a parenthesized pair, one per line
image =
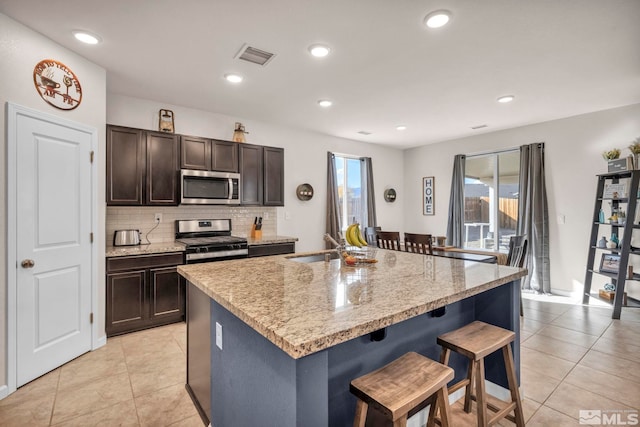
(57, 84)
(428, 202)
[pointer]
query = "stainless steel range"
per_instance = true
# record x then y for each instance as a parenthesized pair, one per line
(209, 240)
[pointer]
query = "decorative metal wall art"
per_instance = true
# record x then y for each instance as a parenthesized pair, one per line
(57, 84)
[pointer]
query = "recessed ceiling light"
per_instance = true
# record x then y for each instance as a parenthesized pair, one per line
(401, 127)
(87, 37)
(437, 19)
(319, 50)
(506, 98)
(233, 78)
(325, 103)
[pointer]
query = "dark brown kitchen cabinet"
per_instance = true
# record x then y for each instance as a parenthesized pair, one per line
(262, 171)
(167, 295)
(208, 154)
(126, 302)
(143, 291)
(272, 249)
(125, 166)
(273, 176)
(162, 169)
(251, 171)
(142, 167)
(195, 153)
(224, 156)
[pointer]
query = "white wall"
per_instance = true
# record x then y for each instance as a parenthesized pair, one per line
(20, 50)
(305, 161)
(572, 158)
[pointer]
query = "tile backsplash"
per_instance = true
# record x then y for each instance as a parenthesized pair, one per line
(143, 219)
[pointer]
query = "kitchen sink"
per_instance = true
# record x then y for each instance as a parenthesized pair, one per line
(314, 257)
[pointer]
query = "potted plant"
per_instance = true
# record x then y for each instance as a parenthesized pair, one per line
(611, 154)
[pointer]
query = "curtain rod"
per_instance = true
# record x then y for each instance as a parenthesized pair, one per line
(507, 150)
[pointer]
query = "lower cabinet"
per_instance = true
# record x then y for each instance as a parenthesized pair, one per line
(272, 249)
(143, 291)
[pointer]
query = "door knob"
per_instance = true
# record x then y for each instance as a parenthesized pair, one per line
(27, 263)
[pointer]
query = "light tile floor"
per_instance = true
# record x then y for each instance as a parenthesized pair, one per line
(573, 358)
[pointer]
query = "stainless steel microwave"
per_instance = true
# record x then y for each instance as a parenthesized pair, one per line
(209, 188)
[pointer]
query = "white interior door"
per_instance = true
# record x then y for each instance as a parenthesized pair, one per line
(53, 244)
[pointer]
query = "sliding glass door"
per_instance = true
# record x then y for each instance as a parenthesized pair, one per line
(491, 200)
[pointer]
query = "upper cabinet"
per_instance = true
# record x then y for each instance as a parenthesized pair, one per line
(125, 166)
(162, 169)
(195, 153)
(273, 176)
(224, 156)
(251, 174)
(142, 167)
(262, 171)
(208, 154)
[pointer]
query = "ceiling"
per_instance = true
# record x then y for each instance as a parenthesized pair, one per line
(558, 57)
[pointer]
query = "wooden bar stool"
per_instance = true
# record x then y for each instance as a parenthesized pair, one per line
(397, 388)
(476, 341)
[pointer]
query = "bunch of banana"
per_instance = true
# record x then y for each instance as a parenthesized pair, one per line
(354, 236)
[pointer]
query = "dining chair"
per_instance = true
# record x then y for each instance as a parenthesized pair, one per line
(388, 240)
(418, 243)
(517, 256)
(370, 235)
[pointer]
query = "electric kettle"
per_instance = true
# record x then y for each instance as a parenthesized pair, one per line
(126, 238)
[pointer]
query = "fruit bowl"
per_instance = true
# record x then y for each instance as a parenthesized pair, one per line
(353, 255)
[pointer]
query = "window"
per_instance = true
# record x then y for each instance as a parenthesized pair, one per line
(351, 181)
(491, 200)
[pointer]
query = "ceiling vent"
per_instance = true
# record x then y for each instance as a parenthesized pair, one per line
(364, 132)
(255, 56)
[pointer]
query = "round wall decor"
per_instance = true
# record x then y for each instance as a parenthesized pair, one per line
(390, 195)
(57, 84)
(304, 192)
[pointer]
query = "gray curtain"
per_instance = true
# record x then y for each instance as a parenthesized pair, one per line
(533, 217)
(333, 212)
(371, 195)
(455, 227)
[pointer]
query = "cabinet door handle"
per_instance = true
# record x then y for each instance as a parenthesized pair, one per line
(27, 263)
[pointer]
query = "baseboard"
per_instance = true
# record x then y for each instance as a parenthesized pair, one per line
(498, 391)
(4, 391)
(562, 293)
(100, 342)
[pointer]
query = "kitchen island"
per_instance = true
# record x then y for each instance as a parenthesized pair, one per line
(294, 334)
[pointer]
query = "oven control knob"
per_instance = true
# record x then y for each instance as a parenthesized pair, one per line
(205, 249)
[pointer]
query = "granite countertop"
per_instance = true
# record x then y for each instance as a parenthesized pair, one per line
(159, 248)
(306, 307)
(153, 248)
(270, 240)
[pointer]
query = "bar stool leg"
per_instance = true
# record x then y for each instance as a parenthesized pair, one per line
(471, 372)
(513, 384)
(361, 414)
(480, 394)
(443, 402)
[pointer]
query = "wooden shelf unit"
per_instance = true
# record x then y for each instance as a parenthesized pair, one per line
(619, 278)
